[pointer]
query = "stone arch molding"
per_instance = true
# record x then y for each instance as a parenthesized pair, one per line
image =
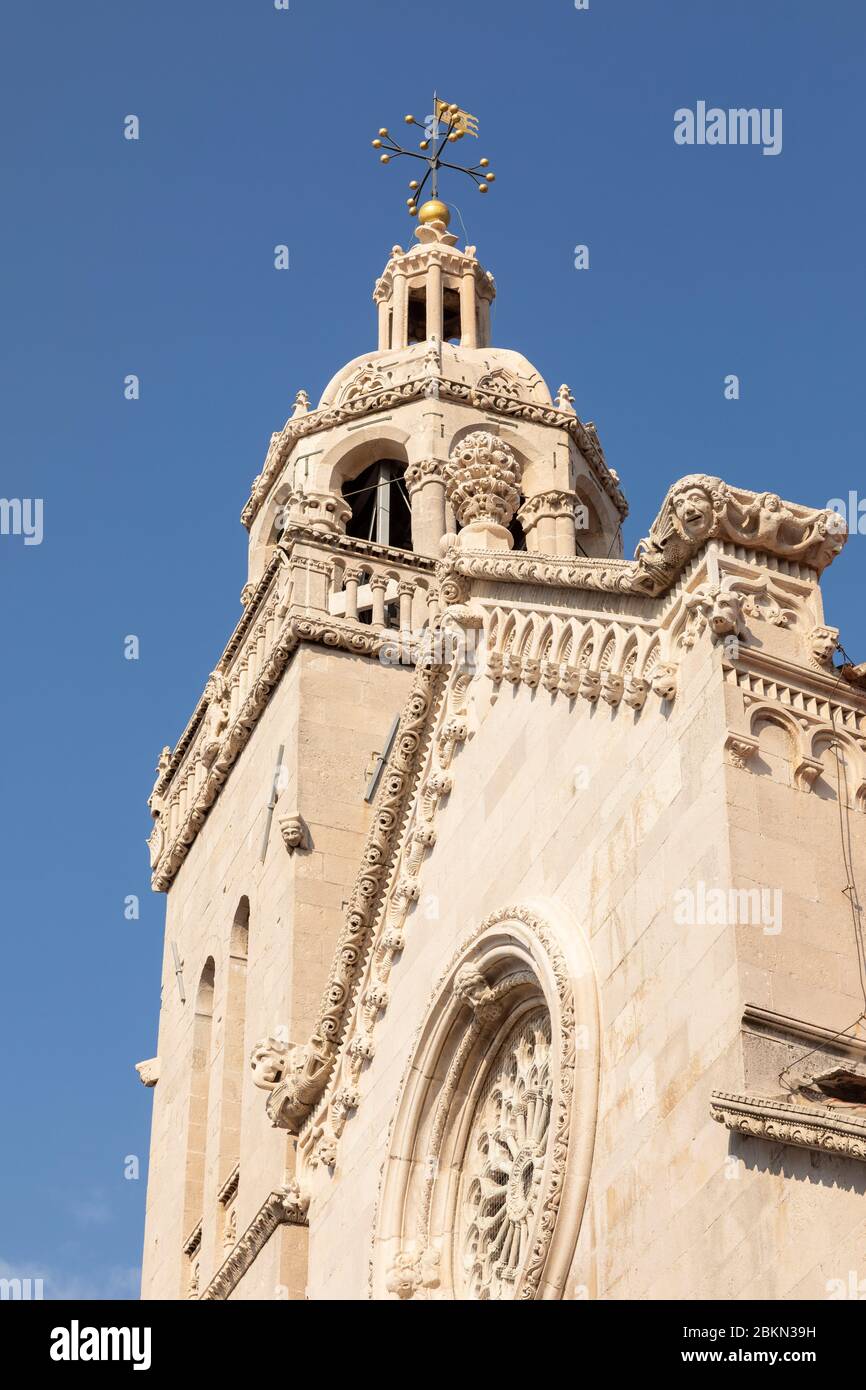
(519, 1000)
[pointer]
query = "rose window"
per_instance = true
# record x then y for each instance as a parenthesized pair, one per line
(504, 1162)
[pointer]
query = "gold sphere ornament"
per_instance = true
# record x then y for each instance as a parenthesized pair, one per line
(384, 130)
(483, 163)
(413, 183)
(482, 188)
(377, 144)
(453, 136)
(410, 119)
(491, 178)
(413, 209)
(454, 107)
(434, 211)
(384, 159)
(424, 145)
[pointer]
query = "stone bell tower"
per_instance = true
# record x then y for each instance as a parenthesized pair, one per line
(263, 806)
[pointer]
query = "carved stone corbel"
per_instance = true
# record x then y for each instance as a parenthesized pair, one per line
(740, 748)
(294, 833)
(806, 772)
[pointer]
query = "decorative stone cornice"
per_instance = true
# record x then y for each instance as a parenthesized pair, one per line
(148, 1072)
(193, 1241)
(488, 398)
(785, 1122)
(230, 1186)
(284, 1207)
(331, 632)
(697, 510)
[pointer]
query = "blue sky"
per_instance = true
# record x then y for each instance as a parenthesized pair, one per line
(155, 257)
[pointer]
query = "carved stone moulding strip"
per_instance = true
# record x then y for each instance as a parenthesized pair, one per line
(193, 1240)
(283, 1207)
(230, 1186)
(801, 687)
(785, 1028)
(331, 633)
(610, 576)
(355, 547)
(292, 1101)
(781, 1122)
(244, 624)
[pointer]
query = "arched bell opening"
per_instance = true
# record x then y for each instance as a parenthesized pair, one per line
(381, 510)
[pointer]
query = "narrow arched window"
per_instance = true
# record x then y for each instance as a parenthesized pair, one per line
(197, 1108)
(233, 1074)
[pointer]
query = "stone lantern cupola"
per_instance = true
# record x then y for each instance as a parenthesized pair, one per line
(433, 290)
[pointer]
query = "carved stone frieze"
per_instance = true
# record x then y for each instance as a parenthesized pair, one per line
(787, 1122)
(700, 508)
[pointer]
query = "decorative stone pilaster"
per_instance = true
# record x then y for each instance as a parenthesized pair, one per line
(548, 522)
(425, 482)
(483, 482)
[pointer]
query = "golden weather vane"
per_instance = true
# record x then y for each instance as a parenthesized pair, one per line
(447, 125)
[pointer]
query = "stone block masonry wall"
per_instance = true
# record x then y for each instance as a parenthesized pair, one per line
(331, 712)
(601, 820)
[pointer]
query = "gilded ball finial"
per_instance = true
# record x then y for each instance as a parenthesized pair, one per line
(434, 211)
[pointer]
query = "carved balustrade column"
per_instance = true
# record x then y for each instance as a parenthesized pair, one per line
(425, 482)
(405, 590)
(351, 580)
(379, 584)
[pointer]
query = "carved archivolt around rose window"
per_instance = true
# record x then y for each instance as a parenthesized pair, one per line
(490, 1150)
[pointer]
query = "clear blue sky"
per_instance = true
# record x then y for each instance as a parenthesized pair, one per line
(156, 258)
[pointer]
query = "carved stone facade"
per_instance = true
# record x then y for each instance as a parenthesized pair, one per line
(511, 892)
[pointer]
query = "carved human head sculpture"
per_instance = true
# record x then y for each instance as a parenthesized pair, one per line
(268, 1060)
(823, 642)
(693, 510)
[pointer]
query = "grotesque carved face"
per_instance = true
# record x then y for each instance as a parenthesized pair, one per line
(664, 681)
(268, 1061)
(590, 685)
(611, 688)
(822, 641)
(636, 691)
(725, 614)
(694, 511)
